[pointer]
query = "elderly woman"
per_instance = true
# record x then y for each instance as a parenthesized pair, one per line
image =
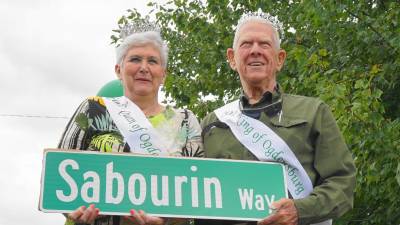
(97, 124)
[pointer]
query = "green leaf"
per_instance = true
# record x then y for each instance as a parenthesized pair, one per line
(398, 174)
(323, 52)
(82, 120)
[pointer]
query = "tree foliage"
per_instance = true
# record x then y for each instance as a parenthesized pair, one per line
(344, 52)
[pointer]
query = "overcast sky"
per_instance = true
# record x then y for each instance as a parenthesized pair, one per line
(53, 54)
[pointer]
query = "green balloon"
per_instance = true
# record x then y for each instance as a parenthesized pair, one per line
(111, 89)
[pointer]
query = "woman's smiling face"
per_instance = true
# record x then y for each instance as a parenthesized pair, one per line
(141, 71)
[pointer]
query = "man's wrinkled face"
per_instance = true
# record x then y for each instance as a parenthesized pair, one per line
(256, 56)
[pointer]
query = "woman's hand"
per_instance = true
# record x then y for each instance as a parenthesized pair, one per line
(84, 215)
(141, 218)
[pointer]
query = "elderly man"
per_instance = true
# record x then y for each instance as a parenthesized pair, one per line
(266, 124)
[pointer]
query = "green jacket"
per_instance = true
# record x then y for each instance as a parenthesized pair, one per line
(309, 128)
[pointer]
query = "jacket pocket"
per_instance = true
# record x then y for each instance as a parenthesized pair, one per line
(288, 122)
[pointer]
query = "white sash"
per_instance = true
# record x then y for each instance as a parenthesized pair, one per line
(135, 127)
(266, 145)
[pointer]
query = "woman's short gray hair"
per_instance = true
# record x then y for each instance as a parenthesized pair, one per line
(141, 39)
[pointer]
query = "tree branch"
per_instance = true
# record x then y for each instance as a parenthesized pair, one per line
(374, 30)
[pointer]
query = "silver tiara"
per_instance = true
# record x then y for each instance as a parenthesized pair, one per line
(140, 26)
(273, 20)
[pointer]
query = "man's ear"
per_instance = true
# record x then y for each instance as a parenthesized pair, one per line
(230, 55)
(117, 69)
(281, 58)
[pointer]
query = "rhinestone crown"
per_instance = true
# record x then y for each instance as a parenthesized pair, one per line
(259, 14)
(143, 25)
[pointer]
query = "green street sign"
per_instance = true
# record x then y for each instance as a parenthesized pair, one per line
(161, 186)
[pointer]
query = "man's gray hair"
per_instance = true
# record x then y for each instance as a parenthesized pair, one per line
(260, 17)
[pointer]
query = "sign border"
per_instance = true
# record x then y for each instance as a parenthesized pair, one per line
(47, 150)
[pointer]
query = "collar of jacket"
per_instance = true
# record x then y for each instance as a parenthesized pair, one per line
(270, 103)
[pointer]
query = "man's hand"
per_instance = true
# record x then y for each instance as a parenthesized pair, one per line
(285, 214)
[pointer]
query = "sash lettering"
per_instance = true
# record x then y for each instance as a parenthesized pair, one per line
(266, 145)
(135, 127)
